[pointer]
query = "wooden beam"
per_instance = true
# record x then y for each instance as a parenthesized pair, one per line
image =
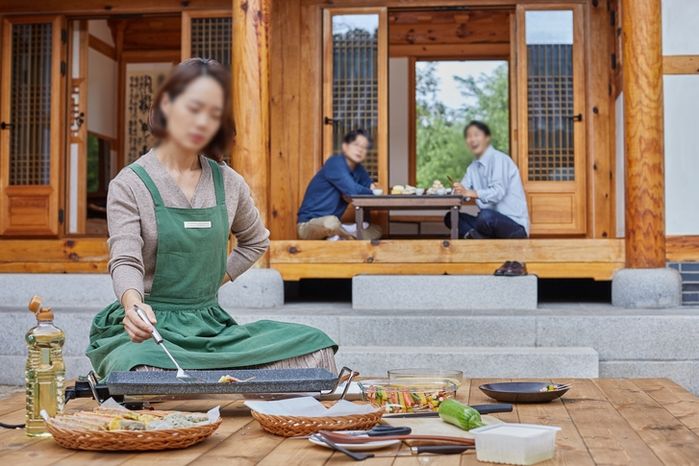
(681, 64)
(111, 7)
(682, 248)
(250, 155)
(425, 251)
(643, 134)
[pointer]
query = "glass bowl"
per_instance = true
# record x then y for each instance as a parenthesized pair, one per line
(401, 375)
(409, 396)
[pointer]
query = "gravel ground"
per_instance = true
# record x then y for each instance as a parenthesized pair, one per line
(7, 390)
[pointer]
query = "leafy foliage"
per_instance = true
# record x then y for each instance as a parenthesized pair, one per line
(439, 130)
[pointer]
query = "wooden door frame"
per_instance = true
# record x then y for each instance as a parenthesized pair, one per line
(579, 93)
(54, 189)
(381, 138)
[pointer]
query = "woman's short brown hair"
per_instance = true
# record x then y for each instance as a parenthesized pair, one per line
(178, 80)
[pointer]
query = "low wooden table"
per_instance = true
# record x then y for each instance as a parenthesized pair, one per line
(603, 421)
(407, 202)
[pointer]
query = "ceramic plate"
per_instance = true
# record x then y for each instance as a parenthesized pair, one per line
(357, 446)
(521, 392)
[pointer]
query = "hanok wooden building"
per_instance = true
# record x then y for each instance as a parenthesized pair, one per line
(602, 121)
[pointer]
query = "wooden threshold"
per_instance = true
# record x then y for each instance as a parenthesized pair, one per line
(294, 259)
(548, 258)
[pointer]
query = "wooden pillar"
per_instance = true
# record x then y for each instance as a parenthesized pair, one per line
(643, 134)
(250, 73)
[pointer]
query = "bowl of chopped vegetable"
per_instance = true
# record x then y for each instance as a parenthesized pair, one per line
(405, 375)
(409, 396)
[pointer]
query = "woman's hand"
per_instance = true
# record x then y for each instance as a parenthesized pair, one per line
(138, 330)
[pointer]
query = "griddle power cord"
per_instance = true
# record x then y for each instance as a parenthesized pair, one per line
(11, 426)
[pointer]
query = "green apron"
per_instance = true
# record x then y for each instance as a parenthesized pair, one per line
(190, 265)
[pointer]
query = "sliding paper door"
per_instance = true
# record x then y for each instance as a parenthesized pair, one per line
(355, 80)
(30, 125)
(551, 140)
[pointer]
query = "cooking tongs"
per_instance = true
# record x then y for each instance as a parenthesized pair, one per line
(181, 374)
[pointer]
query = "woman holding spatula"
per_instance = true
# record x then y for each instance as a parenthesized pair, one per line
(170, 214)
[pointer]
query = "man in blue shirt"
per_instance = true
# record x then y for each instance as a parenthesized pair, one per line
(327, 194)
(493, 181)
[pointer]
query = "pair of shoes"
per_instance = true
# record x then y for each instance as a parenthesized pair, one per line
(511, 269)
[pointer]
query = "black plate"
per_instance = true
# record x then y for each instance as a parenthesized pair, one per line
(521, 392)
(265, 381)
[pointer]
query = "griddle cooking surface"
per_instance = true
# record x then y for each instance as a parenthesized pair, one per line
(265, 381)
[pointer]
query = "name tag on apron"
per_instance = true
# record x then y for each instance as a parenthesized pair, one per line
(189, 225)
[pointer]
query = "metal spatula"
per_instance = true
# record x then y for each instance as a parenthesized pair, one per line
(181, 374)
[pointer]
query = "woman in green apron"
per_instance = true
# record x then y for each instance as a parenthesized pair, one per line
(170, 214)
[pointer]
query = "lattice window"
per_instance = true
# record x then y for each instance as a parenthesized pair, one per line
(550, 96)
(30, 104)
(211, 38)
(355, 81)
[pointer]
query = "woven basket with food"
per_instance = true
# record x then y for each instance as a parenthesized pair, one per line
(118, 430)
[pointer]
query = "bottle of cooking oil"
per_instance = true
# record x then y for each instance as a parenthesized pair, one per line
(45, 370)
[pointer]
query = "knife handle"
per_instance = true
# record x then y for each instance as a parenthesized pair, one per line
(493, 408)
(156, 335)
(441, 449)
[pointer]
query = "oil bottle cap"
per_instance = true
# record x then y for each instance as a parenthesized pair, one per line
(44, 314)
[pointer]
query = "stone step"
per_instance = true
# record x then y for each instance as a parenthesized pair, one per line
(448, 292)
(476, 362)
(256, 288)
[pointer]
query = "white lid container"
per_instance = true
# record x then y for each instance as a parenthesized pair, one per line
(515, 443)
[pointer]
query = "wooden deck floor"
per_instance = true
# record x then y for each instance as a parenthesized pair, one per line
(604, 421)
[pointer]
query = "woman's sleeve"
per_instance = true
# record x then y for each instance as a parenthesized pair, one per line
(250, 232)
(125, 240)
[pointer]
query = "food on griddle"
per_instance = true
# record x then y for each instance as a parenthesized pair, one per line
(460, 415)
(228, 379)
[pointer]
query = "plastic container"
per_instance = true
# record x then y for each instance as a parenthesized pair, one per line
(403, 375)
(515, 443)
(412, 396)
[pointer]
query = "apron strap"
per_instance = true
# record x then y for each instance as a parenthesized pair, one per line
(218, 182)
(148, 181)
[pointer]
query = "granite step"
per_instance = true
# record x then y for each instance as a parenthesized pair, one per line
(476, 362)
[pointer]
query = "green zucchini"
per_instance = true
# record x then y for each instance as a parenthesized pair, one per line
(460, 415)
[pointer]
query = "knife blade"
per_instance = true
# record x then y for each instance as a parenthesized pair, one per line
(430, 450)
(482, 409)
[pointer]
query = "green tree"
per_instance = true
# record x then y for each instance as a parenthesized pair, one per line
(439, 131)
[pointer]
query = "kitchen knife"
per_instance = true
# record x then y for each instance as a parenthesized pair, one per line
(428, 449)
(482, 409)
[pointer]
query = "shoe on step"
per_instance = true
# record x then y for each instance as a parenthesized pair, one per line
(503, 268)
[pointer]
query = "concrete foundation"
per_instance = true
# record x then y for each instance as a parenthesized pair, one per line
(443, 292)
(647, 288)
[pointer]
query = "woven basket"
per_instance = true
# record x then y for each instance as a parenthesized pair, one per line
(292, 426)
(120, 440)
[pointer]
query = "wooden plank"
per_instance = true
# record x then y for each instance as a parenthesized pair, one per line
(600, 156)
(671, 396)
(682, 248)
(669, 439)
(593, 270)
(247, 446)
(471, 51)
(116, 7)
(444, 251)
(250, 72)
(570, 447)
(608, 436)
(681, 64)
(285, 89)
(643, 134)
(54, 250)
